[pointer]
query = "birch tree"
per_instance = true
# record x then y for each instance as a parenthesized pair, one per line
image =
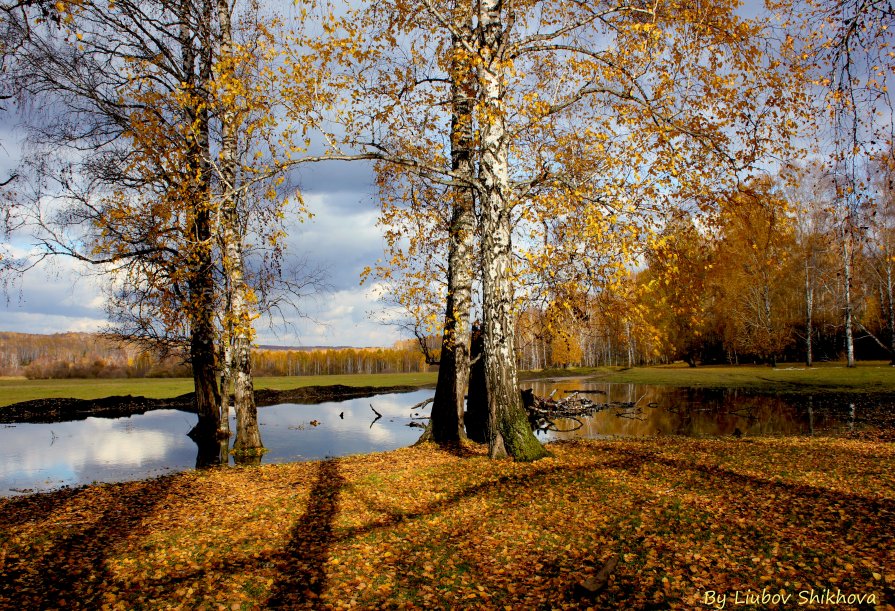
(648, 96)
(884, 246)
(846, 47)
(160, 137)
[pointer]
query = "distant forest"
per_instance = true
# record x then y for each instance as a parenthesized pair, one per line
(87, 355)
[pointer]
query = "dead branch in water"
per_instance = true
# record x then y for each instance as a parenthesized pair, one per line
(542, 412)
(422, 403)
(378, 416)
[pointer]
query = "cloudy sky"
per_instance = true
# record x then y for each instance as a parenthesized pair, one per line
(341, 240)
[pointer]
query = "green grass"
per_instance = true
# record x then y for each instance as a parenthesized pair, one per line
(377, 379)
(14, 390)
(870, 376)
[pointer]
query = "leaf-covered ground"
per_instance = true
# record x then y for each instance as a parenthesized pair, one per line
(432, 528)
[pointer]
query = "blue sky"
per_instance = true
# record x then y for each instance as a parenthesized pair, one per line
(341, 239)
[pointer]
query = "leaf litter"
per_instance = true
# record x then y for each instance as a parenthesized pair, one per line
(428, 527)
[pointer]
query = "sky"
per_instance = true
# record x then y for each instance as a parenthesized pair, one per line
(340, 240)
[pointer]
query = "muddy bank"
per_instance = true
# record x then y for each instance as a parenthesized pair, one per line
(64, 410)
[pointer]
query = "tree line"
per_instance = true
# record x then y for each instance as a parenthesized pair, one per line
(552, 160)
(763, 284)
(89, 355)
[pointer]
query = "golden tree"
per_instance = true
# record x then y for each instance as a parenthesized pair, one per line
(152, 173)
(588, 119)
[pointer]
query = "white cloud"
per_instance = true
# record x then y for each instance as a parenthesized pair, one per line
(340, 319)
(341, 239)
(53, 297)
(30, 322)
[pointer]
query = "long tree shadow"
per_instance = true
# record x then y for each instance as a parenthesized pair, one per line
(70, 569)
(302, 564)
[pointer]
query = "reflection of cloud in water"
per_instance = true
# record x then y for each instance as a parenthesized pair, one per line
(93, 449)
(47, 455)
(287, 432)
(379, 433)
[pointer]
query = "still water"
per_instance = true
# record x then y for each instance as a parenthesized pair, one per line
(696, 412)
(37, 457)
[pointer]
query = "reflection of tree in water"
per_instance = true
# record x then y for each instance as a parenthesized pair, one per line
(701, 412)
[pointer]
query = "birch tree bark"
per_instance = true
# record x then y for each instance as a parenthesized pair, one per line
(509, 432)
(239, 316)
(890, 306)
(847, 306)
(809, 312)
(453, 370)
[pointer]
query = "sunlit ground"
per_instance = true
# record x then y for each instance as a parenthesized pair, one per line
(428, 528)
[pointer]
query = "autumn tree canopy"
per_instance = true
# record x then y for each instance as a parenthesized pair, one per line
(589, 180)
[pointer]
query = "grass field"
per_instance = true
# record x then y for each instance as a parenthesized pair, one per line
(427, 528)
(14, 390)
(873, 376)
(876, 376)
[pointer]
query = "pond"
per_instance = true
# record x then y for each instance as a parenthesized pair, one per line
(696, 412)
(39, 457)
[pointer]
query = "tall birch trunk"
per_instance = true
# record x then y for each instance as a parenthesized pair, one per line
(453, 370)
(890, 306)
(846, 272)
(226, 357)
(809, 314)
(199, 257)
(226, 391)
(509, 432)
(239, 317)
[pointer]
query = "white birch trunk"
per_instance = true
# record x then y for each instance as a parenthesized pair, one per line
(846, 272)
(890, 307)
(239, 318)
(508, 428)
(809, 315)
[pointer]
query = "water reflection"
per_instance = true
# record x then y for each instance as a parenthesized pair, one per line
(45, 456)
(692, 412)
(37, 457)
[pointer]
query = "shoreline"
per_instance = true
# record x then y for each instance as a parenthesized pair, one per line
(69, 409)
